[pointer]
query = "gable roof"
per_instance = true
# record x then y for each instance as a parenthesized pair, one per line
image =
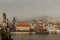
(23, 25)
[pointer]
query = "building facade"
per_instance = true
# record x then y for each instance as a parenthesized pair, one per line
(22, 26)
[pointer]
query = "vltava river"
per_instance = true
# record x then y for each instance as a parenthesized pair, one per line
(36, 37)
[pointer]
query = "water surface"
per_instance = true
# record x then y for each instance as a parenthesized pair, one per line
(36, 37)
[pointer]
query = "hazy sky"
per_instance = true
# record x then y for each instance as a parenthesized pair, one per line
(26, 8)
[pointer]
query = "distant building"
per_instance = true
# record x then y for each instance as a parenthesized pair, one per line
(33, 25)
(22, 26)
(40, 24)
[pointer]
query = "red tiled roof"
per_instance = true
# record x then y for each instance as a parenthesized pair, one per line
(46, 24)
(23, 25)
(40, 29)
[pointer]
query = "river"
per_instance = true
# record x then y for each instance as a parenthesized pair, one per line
(36, 37)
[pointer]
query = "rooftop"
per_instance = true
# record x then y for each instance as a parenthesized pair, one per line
(23, 25)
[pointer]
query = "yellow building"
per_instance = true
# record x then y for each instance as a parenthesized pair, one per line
(22, 26)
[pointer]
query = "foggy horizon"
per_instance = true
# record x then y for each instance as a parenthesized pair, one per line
(29, 8)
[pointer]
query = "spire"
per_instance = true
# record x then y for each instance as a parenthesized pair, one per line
(14, 19)
(4, 17)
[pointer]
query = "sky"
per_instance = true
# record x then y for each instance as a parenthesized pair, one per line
(29, 8)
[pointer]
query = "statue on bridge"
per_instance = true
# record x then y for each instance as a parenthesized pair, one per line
(5, 31)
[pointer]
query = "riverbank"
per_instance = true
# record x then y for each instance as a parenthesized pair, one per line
(32, 33)
(22, 33)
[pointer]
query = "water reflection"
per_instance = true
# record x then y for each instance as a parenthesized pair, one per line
(36, 37)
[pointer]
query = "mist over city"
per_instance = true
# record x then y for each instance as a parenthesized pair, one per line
(32, 8)
(29, 19)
